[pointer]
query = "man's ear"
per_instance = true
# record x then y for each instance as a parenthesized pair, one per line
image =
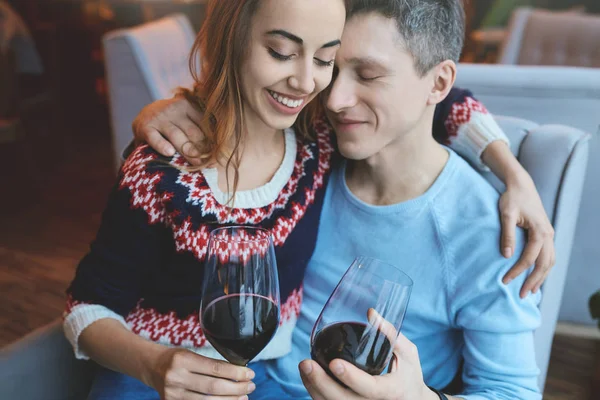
(443, 76)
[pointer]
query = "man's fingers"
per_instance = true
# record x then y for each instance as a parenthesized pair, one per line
(509, 226)
(157, 141)
(191, 112)
(358, 381)
(192, 131)
(187, 146)
(184, 136)
(176, 136)
(320, 385)
(307, 370)
(381, 324)
(404, 349)
(169, 126)
(170, 138)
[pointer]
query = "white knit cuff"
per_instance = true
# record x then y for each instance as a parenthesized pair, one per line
(82, 316)
(474, 136)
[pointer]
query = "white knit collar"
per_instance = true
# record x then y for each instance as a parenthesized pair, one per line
(263, 195)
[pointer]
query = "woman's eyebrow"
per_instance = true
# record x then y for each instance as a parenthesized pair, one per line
(296, 39)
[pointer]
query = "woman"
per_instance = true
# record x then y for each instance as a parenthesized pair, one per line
(133, 305)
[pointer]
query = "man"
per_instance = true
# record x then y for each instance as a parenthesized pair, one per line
(406, 199)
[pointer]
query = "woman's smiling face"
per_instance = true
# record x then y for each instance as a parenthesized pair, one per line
(290, 58)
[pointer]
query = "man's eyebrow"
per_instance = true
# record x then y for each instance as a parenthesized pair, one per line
(367, 62)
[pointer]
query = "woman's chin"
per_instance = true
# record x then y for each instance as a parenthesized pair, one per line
(281, 122)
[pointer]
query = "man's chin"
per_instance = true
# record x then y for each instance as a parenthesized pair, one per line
(352, 151)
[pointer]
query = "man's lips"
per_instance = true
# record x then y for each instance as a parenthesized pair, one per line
(347, 122)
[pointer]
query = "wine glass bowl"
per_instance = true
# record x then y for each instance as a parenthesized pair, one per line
(361, 320)
(240, 307)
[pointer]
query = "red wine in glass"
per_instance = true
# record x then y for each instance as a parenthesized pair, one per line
(240, 297)
(240, 326)
(362, 318)
(343, 340)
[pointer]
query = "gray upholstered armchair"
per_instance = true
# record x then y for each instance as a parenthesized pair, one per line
(555, 95)
(143, 64)
(42, 367)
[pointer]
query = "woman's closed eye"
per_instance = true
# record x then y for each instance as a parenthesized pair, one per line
(279, 56)
(284, 57)
(322, 63)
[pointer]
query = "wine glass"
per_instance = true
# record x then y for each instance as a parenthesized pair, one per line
(239, 312)
(361, 320)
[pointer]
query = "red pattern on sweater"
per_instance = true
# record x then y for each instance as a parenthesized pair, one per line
(461, 113)
(142, 185)
(170, 329)
(142, 182)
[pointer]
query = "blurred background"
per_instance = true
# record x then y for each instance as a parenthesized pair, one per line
(74, 73)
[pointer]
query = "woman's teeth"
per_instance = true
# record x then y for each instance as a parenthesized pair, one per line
(285, 101)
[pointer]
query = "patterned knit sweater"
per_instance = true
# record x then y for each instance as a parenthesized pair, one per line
(145, 266)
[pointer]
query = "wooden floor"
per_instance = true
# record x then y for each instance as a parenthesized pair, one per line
(45, 229)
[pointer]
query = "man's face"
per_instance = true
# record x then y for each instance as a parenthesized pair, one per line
(377, 97)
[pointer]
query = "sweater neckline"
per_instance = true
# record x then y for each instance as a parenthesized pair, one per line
(263, 195)
(408, 206)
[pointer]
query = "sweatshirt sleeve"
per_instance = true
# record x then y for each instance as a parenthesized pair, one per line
(497, 325)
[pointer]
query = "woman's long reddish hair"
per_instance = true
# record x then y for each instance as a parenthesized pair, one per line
(220, 48)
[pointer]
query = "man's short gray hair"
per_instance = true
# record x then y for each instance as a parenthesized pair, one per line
(432, 30)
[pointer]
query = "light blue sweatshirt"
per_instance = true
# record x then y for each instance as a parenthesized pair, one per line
(447, 241)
